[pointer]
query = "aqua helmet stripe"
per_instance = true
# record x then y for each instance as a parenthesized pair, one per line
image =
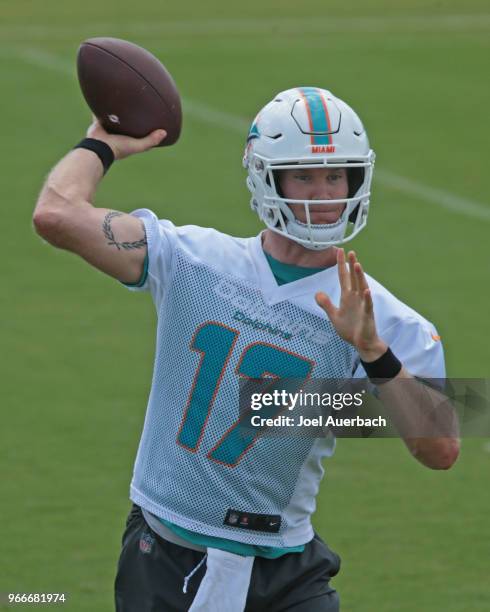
(318, 117)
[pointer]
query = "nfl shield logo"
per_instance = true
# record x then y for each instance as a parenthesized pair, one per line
(146, 543)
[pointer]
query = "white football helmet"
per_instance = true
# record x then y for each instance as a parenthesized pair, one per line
(311, 127)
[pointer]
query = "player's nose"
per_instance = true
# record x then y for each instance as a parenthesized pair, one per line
(320, 191)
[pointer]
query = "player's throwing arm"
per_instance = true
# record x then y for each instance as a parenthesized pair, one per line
(112, 241)
(135, 98)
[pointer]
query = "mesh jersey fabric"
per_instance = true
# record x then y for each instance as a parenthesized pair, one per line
(283, 273)
(221, 315)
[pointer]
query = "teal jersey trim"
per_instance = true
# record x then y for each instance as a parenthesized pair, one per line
(143, 277)
(238, 548)
(288, 273)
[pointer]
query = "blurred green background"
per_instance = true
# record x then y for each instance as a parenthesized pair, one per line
(77, 348)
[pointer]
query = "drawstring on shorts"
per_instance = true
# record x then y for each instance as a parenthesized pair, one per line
(187, 578)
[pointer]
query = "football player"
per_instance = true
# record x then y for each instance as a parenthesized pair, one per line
(221, 520)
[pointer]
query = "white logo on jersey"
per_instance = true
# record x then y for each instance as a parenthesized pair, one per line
(231, 293)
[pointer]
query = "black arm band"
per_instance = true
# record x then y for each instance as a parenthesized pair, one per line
(100, 148)
(382, 369)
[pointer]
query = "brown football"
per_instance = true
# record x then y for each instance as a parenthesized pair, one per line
(128, 89)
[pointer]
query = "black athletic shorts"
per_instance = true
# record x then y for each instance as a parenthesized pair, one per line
(151, 573)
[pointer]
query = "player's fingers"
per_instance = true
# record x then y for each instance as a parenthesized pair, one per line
(352, 273)
(152, 140)
(324, 302)
(368, 302)
(158, 136)
(361, 279)
(343, 273)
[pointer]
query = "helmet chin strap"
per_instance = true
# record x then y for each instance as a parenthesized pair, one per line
(316, 237)
(311, 246)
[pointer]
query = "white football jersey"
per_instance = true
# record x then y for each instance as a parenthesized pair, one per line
(221, 317)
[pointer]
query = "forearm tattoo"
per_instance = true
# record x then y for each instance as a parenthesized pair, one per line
(109, 234)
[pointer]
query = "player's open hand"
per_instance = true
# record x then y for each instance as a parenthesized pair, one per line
(123, 146)
(354, 318)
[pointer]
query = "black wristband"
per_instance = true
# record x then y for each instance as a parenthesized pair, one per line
(382, 369)
(100, 148)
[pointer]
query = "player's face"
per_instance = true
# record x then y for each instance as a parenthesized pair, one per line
(315, 184)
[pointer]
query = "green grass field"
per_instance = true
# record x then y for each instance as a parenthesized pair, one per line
(77, 348)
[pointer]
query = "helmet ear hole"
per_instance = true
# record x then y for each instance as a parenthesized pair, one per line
(353, 215)
(355, 178)
(277, 182)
